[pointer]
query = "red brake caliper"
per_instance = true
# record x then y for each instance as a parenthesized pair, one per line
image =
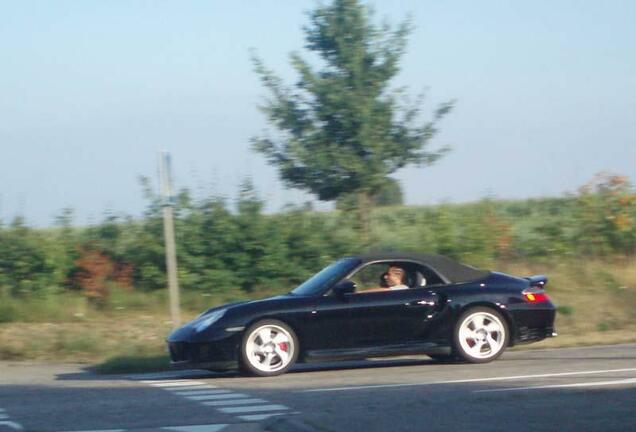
(283, 346)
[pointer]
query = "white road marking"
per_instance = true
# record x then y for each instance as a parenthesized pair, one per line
(186, 388)
(12, 425)
(259, 417)
(101, 430)
(201, 392)
(506, 378)
(191, 428)
(591, 347)
(248, 409)
(161, 381)
(555, 386)
(196, 428)
(178, 384)
(223, 400)
(235, 402)
(5, 421)
(217, 396)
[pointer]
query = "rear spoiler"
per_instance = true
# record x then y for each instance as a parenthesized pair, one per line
(538, 281)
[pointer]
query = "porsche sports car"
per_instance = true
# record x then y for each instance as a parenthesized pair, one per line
(384, 304)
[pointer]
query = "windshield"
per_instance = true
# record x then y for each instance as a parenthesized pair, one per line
(326, 277)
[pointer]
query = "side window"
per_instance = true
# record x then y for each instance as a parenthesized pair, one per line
(381, 276)
(369, 277)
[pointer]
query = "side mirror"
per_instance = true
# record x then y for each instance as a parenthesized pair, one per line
(344, 287)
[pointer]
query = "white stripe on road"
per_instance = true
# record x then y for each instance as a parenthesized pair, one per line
(554, 386)
(217, 396)
(5, 421)
(177, 384)
(202, 392)
(259, 417)
(186, 388)
(506, 378)
(101, 430)
(248, 409)
(12, 425)
(192, 428)
(223, 400)
(196, 428)
(161, 381)
(235, 402)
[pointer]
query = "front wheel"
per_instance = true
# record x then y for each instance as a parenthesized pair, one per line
(269, 348)
(481, 335)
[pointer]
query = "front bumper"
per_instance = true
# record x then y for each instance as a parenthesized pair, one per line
(221, 354)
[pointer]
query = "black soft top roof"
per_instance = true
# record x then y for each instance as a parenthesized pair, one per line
(452, 270)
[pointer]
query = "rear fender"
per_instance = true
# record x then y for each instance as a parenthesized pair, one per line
(498, 307)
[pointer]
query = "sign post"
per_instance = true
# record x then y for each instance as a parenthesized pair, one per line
(167, 195)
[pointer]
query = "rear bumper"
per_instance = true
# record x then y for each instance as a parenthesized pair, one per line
(533, 322)
(528, 334)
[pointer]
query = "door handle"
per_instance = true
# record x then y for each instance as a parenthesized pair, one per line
(421, 303)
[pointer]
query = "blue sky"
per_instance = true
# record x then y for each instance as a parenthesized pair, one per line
(91, 91)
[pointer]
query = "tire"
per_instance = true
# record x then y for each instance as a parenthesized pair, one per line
(269, 347)
(481, 335)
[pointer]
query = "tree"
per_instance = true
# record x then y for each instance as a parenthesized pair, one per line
(388, 194)
(343, 130)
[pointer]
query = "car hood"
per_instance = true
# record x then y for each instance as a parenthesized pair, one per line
(187, 332)
(235, 305)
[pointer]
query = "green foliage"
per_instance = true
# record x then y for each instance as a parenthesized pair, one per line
(232, 252)
(24, 264)
(388, 194)
(342, 130)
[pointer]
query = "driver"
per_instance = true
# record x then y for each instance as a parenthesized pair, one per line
(393, 279)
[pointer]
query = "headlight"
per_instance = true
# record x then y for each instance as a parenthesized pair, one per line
(208, 320)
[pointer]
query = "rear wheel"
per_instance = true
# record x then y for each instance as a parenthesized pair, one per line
(481, 335)
(269, 348)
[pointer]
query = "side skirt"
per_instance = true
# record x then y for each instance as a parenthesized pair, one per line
(374, 351)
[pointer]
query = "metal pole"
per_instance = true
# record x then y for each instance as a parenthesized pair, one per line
(168, 231)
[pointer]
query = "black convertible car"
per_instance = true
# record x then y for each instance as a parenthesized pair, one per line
(383, 304)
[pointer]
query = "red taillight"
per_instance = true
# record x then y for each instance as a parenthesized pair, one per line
(536, 297)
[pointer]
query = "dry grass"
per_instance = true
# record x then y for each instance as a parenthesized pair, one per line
(596, 301)
(92, 340)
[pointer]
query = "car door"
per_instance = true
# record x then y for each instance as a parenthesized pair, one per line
(327, 325)
(390, 317)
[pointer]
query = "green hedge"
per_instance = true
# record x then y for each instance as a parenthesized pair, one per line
(223, 247)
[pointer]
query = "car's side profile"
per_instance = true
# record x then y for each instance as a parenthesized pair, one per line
(449, 311)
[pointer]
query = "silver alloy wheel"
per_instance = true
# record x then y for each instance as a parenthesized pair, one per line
(269, 348)
(482, 335)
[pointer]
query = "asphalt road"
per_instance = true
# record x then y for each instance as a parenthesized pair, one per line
(575, 389)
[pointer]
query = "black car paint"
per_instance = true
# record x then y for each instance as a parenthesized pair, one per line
(329, 326)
